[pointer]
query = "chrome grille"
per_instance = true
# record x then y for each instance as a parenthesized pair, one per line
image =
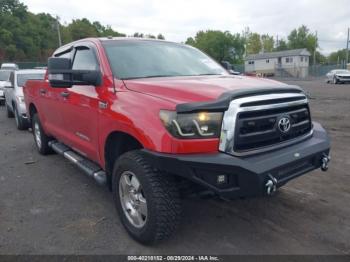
(251, 124)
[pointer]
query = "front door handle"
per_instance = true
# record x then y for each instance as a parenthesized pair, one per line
(65, 94)
(42, 91)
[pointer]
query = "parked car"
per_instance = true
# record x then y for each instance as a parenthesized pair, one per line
(150, 128)
(15, 106)
(4, 81)
(230, 68)
(9, 66)
(338, 76)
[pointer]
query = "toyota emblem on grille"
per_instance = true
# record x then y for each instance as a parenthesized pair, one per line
(284, 124)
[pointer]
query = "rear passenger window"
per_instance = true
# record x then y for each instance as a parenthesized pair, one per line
(84, 60)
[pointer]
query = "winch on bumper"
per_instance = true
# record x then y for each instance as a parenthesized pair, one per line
(231, 176)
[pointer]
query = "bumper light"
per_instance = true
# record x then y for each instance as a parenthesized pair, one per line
(221, 179)
(191, 126)
(20, 99)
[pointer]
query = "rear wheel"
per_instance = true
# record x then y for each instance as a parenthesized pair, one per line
(9, 113)
(147, 200)
(40, 138)
(20, 122)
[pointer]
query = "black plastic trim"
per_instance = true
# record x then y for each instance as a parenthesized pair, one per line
(222, 103)
(251, 172)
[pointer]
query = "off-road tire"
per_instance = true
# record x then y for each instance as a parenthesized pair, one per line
(44, 148)
(161, 193)
(9, 113)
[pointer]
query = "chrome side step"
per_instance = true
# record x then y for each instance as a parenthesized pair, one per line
(88, 167)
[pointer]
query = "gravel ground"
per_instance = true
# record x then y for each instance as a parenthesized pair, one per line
(47, 206)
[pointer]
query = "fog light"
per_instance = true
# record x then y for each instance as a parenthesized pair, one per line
(221, 179)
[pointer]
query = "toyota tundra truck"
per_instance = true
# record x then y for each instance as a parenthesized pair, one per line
(155, 121)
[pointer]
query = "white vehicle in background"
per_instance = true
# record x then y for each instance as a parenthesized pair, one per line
(4, 79)
(15, 106)
(9, 66)
(338, 76)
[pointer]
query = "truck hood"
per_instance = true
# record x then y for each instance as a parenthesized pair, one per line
(196, 89)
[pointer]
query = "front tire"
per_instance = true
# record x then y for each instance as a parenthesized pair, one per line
(20, 122)
(147, 200)
(40, 138)
(335, 80)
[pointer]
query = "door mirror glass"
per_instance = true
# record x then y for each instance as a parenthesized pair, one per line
(61, 74)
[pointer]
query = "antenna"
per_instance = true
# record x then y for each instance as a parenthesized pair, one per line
(347, 48)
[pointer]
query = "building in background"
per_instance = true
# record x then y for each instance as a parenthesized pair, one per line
(291, 63)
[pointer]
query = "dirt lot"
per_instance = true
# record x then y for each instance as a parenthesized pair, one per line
(47, 206)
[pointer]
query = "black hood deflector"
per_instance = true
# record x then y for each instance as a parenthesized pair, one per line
(222, 103)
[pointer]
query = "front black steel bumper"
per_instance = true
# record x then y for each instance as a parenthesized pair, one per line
(232, 177)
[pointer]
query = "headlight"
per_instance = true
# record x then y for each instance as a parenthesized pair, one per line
(190, 126)
(20, 99)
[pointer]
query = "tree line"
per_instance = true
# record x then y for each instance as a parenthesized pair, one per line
(233, 47)
(25, 36)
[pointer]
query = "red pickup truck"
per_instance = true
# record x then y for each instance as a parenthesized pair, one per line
(156, 120)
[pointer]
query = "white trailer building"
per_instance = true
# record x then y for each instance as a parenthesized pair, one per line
(290, 62)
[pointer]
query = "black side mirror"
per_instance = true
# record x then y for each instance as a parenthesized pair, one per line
(60, 70)
(61, 74)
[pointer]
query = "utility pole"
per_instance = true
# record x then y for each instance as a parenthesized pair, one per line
(315, 51)
(347, 49)
(58, 31)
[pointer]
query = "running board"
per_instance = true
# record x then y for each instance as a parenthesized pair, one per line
(88, 167)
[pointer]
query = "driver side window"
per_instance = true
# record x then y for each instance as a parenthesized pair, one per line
(84, 60)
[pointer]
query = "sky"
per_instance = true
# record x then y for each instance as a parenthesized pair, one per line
(179, 19)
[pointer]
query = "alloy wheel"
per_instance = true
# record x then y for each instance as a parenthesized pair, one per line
(132, 199)
(37, 134)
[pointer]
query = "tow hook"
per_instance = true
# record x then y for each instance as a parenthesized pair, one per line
(271, 185)
(325, 162)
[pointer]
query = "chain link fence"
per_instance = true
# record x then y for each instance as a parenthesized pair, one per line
(298, 72)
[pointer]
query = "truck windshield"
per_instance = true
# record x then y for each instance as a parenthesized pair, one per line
(132, 59)
(22, 78)
(4, 75)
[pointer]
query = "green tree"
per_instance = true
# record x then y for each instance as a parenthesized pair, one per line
(160, 36)
(219, 45)
(104, 31)
(320, 59)
(282, 45)
(337, 57)
(28, 36)
(12, 7)
(302, 38)
(82, 28)
(253, 43)
(267, 43)
(140, 35)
